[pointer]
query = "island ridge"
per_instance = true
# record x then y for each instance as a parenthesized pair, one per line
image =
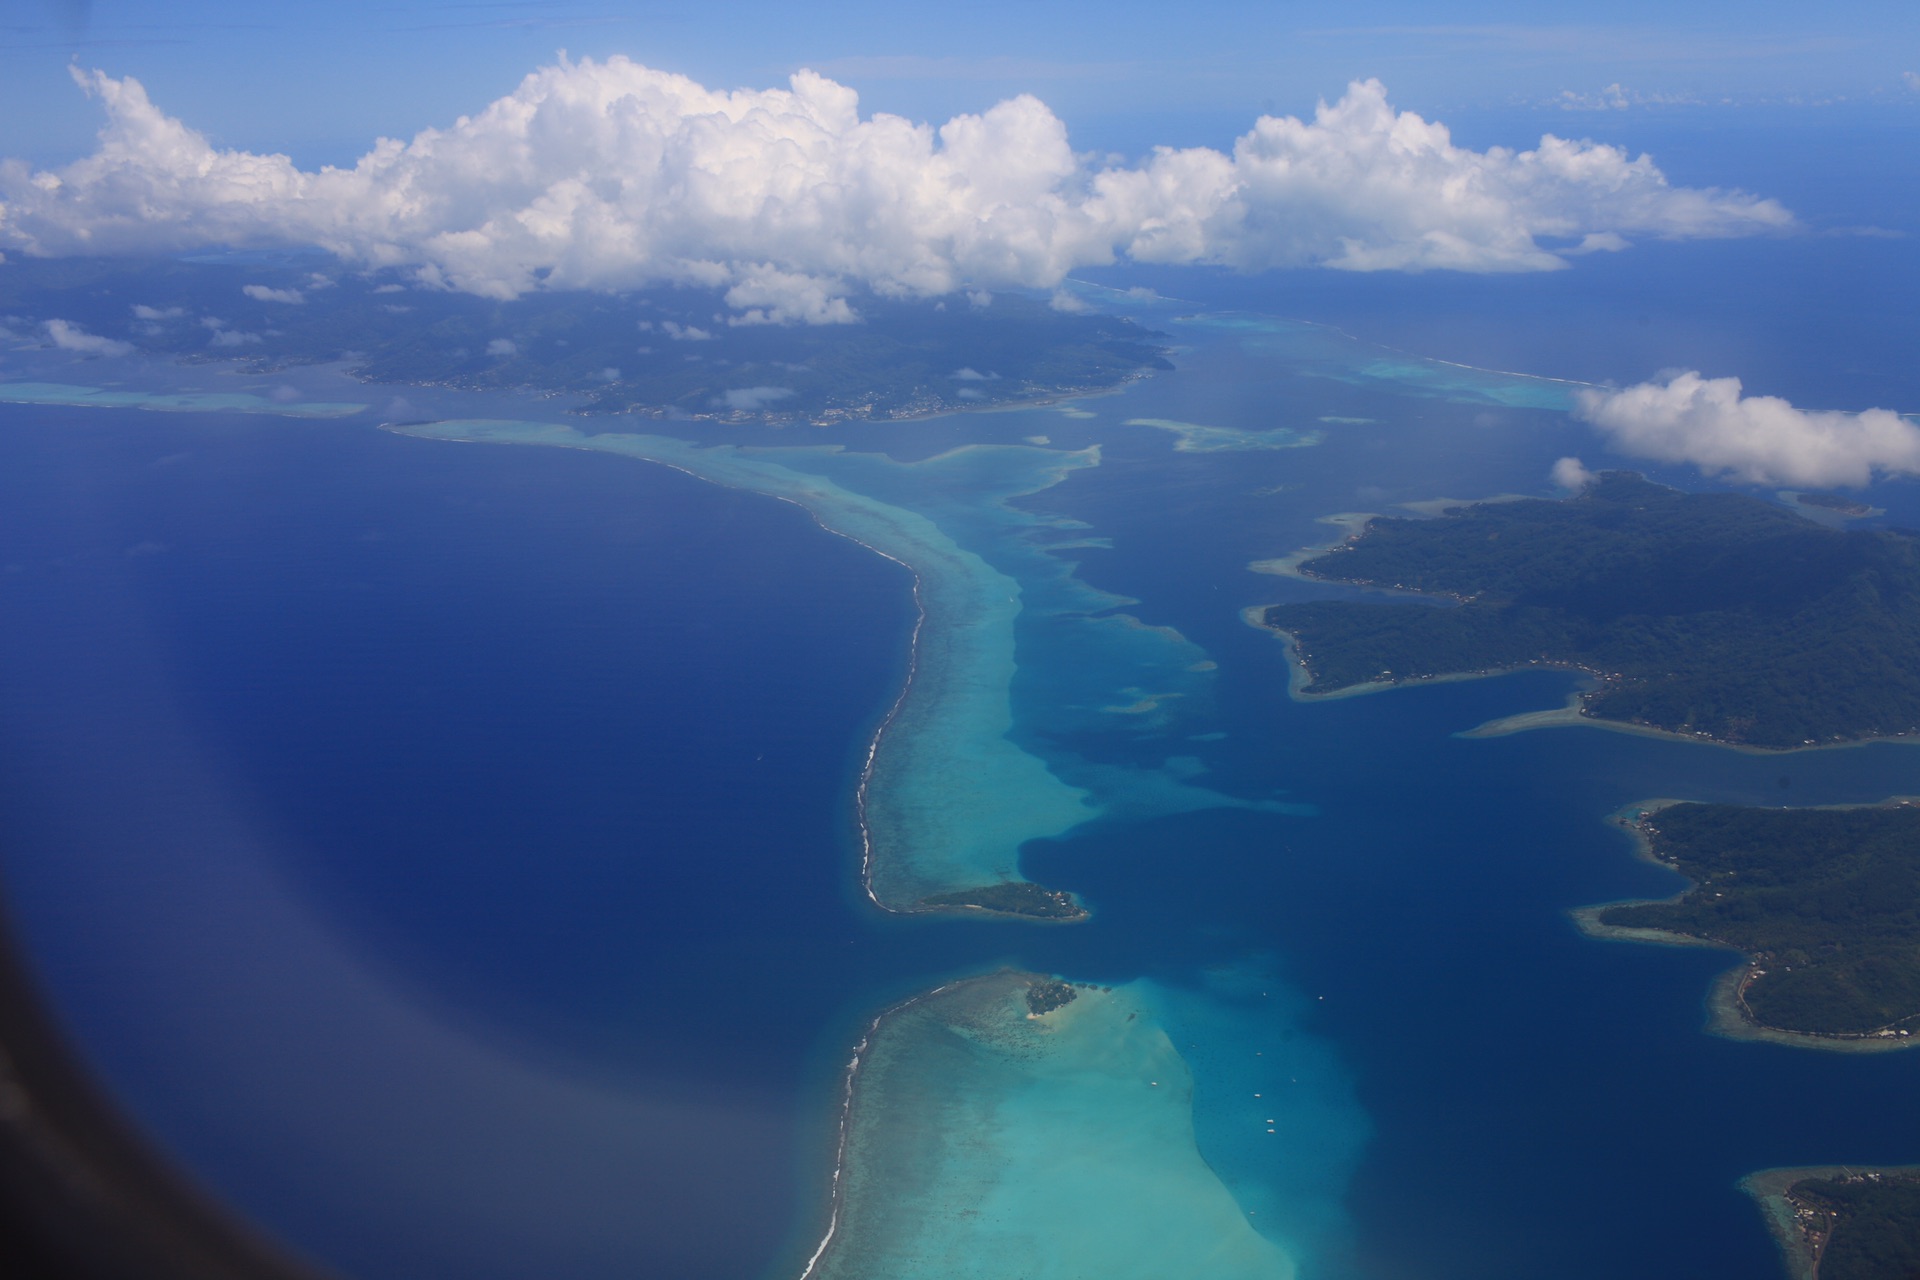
(1712, 615)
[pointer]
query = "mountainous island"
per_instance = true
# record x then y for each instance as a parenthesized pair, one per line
(1843, 1223)
(1714, 615)
(1825, 902)
(663, 352)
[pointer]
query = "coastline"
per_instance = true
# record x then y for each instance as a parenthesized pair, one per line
(1728, 1016)
(849, 1079)
(1299, 677)
(1570, 714)
(864, 787)
(951, 717)
(1800, 1247)
(1353, 523)
(1039, 399)
(75, 396)
(1046, 1142)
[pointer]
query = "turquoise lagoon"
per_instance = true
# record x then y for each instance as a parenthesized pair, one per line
(983, 1141)
(948, 796)
(1079, 677)
(84, 397)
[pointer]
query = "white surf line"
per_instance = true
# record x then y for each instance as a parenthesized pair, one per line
(913, 644)
(873, 746)
(1480, 368)
(846, 1115)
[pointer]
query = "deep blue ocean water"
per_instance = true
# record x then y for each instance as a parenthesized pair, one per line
(445, 850)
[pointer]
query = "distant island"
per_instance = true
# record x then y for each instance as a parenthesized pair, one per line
(660, 352)
(1713, 615)
(1843, 1223)
(1011, 898)
(1833, 502)
(1824, 902)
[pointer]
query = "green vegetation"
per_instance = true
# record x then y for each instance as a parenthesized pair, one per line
(1863, 1227)
(1016, 899)
(674, 352)
(1714, 614)
(1825, 901)
(1045, 996)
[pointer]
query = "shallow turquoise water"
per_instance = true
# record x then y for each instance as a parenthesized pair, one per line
(985, 1142)
(60, 393)
(1349, 922)
(951, 797)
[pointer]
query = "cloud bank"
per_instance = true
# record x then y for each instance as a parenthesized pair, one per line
(69, 336)
(611, 175)
(1757, 439)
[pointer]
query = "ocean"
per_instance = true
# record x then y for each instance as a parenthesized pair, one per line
(447, 850)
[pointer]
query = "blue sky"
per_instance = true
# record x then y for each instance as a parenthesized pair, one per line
(599, 172)
(320, 80)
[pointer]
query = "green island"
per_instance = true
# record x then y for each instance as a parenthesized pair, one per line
(1047, 994)
(661, 352)
(1824, 902)
(1011, 898)
(1714, 615)
(1833, 502)
(1843, 1223)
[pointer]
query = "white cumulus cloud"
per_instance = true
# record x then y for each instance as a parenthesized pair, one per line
(612, 175)
(69, 336)
(262, 293)
(1572, 474)
(1684, 417)
(754, 399)
(503, 347)
(225, 337)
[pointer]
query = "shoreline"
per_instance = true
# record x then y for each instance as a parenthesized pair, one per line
(564, 435)
(1771, 1192)
(66, 395)
(1288, 566)
(830, 417)
(1728, 1016)
(906, 685)
(873, 744)
(922, 907)
(1570, 714)
(843, 1130)
(983, 1121)
(1299, 677)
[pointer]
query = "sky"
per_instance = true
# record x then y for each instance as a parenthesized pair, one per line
(798, 157)
(322, 80)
